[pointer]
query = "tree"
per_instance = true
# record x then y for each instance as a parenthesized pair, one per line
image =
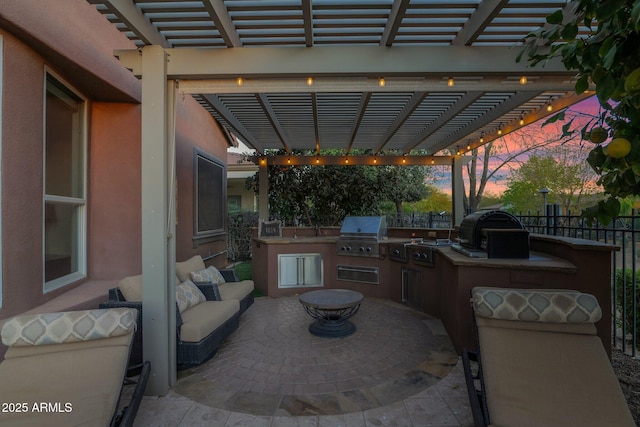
(436, 201)
(609, 58)
(505, 154)
(324, 195)
(561, 169)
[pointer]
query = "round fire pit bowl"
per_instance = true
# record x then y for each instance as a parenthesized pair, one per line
(331, 309)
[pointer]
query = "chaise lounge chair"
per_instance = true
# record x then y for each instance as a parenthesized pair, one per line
(540, 362)
(68, 369)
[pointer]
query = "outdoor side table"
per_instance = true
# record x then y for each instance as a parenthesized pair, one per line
(331, 309)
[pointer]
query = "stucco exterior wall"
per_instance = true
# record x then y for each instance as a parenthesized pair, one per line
(195, 128)
(73, 40)
(22, 181)
(115, 238)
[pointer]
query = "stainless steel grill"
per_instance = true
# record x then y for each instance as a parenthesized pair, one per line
(361, 236)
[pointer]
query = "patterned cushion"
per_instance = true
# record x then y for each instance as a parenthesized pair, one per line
(205, 275)
(68, 327)
(553, 306)
(188, 295)
(216, 273)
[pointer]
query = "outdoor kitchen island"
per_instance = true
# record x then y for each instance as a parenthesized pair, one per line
(436, 279)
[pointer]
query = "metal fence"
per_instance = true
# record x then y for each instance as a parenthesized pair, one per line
(625, 278)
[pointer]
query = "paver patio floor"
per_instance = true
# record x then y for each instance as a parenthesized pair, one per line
(399, 368)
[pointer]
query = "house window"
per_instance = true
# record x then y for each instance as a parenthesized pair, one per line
(210, 177)
(64, 185)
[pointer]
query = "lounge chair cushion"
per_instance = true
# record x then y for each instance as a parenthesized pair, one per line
(131, 288)
(67, 327)
(547, 306)
(525, 369)
(184, 268)
(188, 295)
(206, 317)
(84, 382)
(235, 290)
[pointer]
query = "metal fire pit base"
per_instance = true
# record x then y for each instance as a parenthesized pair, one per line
(332, 308)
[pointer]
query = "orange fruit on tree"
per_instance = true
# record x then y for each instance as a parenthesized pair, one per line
(618, 148)
(598, 135)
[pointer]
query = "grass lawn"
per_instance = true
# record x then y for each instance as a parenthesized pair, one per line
(244, 270)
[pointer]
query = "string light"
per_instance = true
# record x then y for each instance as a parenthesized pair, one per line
(240, 81)
(521, 120)
(523, 80)
(499, 131)
(346, 160)
(289, 160)
(450, 82)
(375, 160)
(549, 107)
(317, 160)
(309, 81)
(263, 160)
(381, 82)
(433, 161)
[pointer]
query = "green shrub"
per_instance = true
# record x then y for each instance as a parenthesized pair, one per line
(624, 298)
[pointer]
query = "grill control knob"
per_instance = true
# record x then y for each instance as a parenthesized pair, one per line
(416, 255)
(362, 249)
(424, 256)
(369, 249)
(396, 251)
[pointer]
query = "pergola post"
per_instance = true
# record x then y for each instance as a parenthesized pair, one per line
(263, 191)
(457, 189)
(158, 244)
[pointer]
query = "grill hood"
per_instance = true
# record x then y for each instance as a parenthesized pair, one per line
(364, 227)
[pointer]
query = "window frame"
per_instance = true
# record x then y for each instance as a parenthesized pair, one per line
(198, 233)
(79, 202)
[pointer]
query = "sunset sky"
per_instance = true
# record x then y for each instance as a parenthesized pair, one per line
(513, 143)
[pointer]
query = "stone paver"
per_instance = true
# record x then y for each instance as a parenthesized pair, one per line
(398, 368)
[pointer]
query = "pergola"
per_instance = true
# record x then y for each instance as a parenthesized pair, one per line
(405, 81)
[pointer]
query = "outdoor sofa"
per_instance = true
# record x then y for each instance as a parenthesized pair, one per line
(208, 306)
(540, 362)
(226, 280)
(68, 369)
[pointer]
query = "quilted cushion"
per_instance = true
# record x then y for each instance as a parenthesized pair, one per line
(68, 327)
(552, 306)
(184, 268)
(188, 295)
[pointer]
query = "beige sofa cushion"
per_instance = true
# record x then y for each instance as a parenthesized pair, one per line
(68, 327)
(206, 317)
(188, 295)
(131, 288)
(235, 290)
(84, 382)
(535, 378)
(184, 268)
